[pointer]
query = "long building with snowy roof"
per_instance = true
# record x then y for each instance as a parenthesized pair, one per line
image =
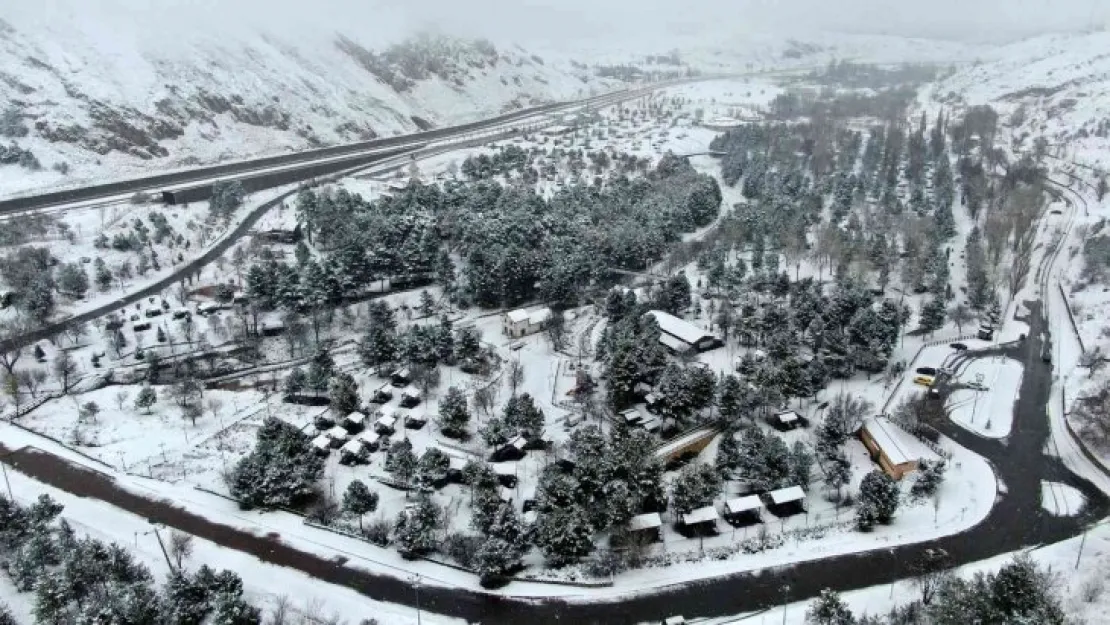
(681, 335)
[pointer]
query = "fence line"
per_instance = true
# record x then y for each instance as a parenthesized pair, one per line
(1071, 317)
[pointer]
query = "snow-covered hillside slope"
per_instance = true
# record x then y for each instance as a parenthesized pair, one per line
(764, 51)
(95, 95)
(1056, 87)
(109, 105)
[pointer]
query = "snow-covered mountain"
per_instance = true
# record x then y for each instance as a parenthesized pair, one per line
(91, 95)
(111, 106)
(1056, 87)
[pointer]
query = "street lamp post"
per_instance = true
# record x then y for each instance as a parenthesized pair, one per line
(785, 594)
(416, 587)
(4, 466)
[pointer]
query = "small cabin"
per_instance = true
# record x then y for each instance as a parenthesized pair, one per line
(386, 424)
(506, 473)
(400, 377)
(321, 445)
(744, 510)
(631, 417)
(410, 398)
(338, 435)
(786, 420)
(702, 520)
(514, 449)
(890, 446)
(455, 468)
(646, 525)
(415, 421)
(786, 501)
(355, 422)
(370, 440)
(353, 452)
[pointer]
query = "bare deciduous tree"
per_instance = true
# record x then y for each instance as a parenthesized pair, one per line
(32, 380)
(181, 547)
(280, 612)
(214, 404)
(1093, 415)
(1093, 359)
(996, 231)
(75, 331)
(484, 399)
(10, 330)
(425, 378)
(932, 572)
(556, 330)
(64, 370)
(1022, 260)
(960, 314)
(514, 376)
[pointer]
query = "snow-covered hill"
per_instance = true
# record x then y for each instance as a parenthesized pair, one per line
(1056, 87)
(108, 105)
(91, 94)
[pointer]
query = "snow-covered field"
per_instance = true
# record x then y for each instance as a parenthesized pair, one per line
(988, 412)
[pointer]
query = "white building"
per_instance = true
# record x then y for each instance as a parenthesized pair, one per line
(520, 322)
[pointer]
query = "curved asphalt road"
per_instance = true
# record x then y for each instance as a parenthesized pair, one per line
(1016, 521)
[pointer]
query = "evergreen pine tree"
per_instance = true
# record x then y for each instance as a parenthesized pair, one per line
(453, 413)
(728, 454)
(933, 314)
(563, 535)
(880, 494)
(359, 500)
(414, 530)
(829, 609)
(343, 394)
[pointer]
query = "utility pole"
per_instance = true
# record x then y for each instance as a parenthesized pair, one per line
(4, 466)
(416, 587)
(785, 594)
(1082, 542)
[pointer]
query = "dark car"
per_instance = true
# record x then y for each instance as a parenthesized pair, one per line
(960, 347)
(927, 371)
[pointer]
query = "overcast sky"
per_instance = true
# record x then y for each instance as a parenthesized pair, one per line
(550, 21)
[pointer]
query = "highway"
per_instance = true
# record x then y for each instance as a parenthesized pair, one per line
(445, 140)
(125, 188)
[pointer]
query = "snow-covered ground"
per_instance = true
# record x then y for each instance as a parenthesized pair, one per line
(101, 94)
(988, 412)
(1060, 83)
(1061, 499)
